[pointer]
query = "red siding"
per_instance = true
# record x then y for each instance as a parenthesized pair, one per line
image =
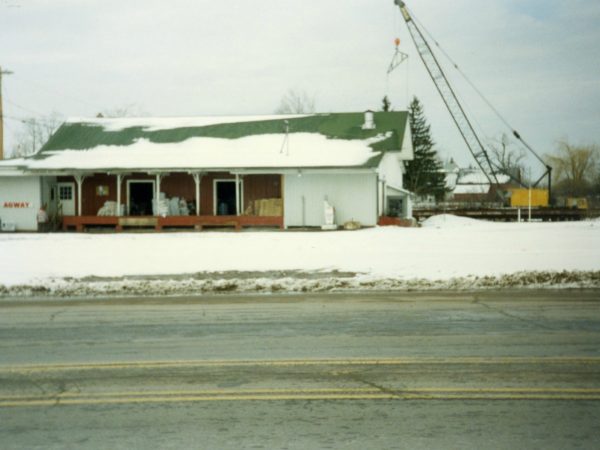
(206, 191)
(257, 187)
(91, 201)
(175, 185)
(180, 185)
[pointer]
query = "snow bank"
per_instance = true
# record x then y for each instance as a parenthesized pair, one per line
(289, 282)
(446, 250)
(451, 221)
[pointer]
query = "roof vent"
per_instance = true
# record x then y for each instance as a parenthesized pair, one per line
(369, 120)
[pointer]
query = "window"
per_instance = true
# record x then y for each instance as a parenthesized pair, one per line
(65, 192)
(395, 207)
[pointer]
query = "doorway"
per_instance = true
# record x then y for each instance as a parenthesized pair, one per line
(66, 198)
(140, 196)
(225, 198)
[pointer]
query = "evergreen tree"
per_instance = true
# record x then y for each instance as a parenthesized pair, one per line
(424, 174)
(386, 104)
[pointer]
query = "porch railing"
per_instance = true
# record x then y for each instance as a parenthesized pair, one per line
(80, 223)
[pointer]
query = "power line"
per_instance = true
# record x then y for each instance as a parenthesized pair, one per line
(464, 75)
(27, 119)
(52, 90)
(19, 119)
(514, 132)
(38, 116)
(23, 107)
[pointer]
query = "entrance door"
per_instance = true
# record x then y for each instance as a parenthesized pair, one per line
(140, 196)
(224, 198)
(66, 198)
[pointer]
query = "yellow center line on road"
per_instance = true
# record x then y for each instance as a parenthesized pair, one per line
(296, 391)
(187, 399)
(587, 360)
(570, 394)
(302, 391)
(151, 392)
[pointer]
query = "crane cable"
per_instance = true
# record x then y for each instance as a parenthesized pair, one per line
(470, 83)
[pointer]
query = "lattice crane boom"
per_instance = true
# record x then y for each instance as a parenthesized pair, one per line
(449, 97)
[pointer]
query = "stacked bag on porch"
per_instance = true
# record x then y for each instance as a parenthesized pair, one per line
(173, 206)
(110, 209)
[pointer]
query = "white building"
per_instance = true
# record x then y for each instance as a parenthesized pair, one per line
(215, 171)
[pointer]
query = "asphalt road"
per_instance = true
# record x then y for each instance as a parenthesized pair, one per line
(456, 370)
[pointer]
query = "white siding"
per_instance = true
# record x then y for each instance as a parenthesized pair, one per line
(49, 194)
(390, 170)
(407, 151)
(353, 195)
(407, 203)
(20, 189)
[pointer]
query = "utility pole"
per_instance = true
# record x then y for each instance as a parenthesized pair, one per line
(2, 72)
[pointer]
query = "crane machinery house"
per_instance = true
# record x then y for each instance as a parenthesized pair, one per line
(278, 171)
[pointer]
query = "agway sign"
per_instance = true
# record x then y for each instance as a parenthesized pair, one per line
(17, 204)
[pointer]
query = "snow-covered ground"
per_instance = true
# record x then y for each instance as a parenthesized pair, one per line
(446, 252)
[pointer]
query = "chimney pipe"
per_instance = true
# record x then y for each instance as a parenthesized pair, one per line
(369, 123)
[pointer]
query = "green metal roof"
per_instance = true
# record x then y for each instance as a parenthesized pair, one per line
(82, 135)
(95, 144)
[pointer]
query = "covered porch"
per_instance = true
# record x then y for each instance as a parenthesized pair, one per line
(164, 200)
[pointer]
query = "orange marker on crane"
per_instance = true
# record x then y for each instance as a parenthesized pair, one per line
(398, 57)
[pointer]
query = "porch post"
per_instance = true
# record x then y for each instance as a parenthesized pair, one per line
(157, 194)
(237, 194)
(79, 179)
(384, 206)
(119, 194)
(197, 177)
(378, 196)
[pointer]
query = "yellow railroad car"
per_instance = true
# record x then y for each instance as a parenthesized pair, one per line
(519, 197)
(576, 202)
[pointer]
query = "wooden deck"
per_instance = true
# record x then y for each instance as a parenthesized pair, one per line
(385, 221)
(81, 223)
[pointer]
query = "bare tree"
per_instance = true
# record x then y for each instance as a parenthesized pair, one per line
(296, 102)
(129, 110)
(505, 158)
(596, 182)
(575, 167)
(34, 133)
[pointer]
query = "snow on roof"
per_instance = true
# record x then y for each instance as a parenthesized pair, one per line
(170, 123)
(451, 179)
(11, 163)
(471, 189)
(12, 167)
(451, 167)
(478, 177)
(197, 143)
(297, 150)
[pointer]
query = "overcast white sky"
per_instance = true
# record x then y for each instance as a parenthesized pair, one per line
(538, 61)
